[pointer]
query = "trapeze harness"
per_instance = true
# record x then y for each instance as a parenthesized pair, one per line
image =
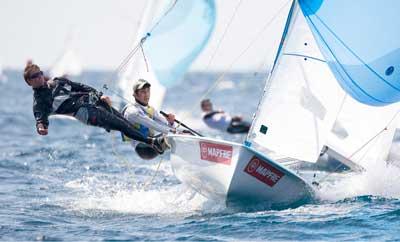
(145, 151)
(145, 131)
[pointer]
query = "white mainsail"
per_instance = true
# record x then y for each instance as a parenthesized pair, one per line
(301, 98)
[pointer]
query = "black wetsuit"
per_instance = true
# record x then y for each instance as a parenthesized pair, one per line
(237, 127)
(83, 102)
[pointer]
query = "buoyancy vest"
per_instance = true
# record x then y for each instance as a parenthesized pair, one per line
(145, 131)
(217, 120)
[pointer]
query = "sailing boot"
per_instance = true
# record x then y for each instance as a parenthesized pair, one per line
(159, 144)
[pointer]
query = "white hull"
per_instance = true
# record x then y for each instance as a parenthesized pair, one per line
(235, 173)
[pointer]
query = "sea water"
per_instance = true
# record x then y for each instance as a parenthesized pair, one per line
(82, 183)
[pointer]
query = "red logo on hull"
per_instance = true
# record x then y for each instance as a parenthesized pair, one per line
(263, 171)
(216, 152)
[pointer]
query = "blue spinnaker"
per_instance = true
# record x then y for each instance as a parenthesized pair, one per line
(179, 38)
(360, 40)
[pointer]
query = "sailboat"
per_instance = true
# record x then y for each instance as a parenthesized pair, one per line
(324, 70)
(169, 44)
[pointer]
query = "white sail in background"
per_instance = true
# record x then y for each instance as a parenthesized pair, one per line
(301, 98)
(67, 64)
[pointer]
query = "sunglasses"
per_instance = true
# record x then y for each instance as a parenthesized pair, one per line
(36, 75)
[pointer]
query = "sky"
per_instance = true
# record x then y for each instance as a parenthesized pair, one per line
(102, 32)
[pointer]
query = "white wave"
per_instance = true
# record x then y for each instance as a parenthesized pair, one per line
(170, 200)
(129, 193)
(379, 179)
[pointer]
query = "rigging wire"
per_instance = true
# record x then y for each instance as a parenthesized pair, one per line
(263, 64)
(223, 34)
(222, 75)
(144, 58)
(163, 16)
(122, 66)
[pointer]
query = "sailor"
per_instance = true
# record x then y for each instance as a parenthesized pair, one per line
(62, 96)
(218, 119)
(146, 119)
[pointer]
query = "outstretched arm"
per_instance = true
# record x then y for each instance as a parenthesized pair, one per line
(42, 119)
(41, 111)
(133, 115)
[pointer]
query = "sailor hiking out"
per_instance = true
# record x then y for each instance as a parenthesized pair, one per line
(64, 97)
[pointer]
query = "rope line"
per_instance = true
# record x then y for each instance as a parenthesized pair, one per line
(150, 181)
(144, 58)
(127, 59)
(122, 158)
(251, 43)
(163, 16)
(223, 35)
(130, 168)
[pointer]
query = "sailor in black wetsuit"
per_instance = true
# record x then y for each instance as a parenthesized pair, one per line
(218, 119)
(62, 96)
